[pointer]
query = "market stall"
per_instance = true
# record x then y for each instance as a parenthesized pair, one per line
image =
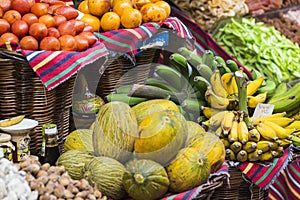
(153, 103)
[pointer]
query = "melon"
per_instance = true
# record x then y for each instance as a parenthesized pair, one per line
(145, 179)
(212, 146)
(145, 108)
(74, 161)
(115, 130)
(189, 169)
(160, 136)
(194, 130)
(80, 139)
(107, 175)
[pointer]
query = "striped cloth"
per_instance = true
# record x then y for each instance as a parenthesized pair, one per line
(193, 193)
(281, 176)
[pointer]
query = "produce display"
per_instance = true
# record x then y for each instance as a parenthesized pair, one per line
(49, 26)
(208, 12)
(261, 49)
(106, 15)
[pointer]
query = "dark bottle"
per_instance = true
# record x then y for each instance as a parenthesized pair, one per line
(50, 149)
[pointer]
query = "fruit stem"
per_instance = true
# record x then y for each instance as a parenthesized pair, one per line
(242, 95)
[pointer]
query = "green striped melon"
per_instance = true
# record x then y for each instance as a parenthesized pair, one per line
(80, 139)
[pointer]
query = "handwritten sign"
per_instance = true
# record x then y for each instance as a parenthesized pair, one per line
(262, 110)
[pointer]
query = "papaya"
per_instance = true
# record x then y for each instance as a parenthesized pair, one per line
(145, 179)
(160, 136)
(145, 108)
(189, 169)
(74, 161)
(194, 129)
(107, 175)
(115, 131)
(210, 145)
(80, 139)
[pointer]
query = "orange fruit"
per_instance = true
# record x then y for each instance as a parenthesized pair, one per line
(154, 1)
(120, 7)
(153, 13)
(165, 6)
(140, 3)
(98, 7)
(115, 2)
(132, 18)
(92, 21)
(48, 20)
(83, 7)
(110, 21)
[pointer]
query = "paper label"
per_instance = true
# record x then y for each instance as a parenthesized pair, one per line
(262, 110)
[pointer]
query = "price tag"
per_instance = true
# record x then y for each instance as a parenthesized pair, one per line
(262, 110)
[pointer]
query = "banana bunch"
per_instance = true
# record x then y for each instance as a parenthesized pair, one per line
(286, 99)
(262, 140)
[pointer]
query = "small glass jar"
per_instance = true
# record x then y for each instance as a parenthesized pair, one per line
(6, 147)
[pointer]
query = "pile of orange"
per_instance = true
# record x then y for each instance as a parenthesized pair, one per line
(106, 15)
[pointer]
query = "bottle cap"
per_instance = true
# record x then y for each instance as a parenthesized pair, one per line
(51, 130)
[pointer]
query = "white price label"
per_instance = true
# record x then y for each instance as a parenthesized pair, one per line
(262, 110)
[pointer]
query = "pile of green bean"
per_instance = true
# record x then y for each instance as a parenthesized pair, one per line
(260, 49)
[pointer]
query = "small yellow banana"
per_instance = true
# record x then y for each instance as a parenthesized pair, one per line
(281, 132)
(254, 135)
(267, 155)
(250, 146)
(297, 116)
(276, 115)
(254, 85)
(226, 123)
(217, 84)
(216, 101)
(264, 145)
(285, 143)
(216, 119)
(255, 155)
(281, 121)
(233, 133)
(266, 132)
(219, 132)
(242, 156)
(275, 145)
(295, 125)
(254, 100)
(230, 155)
(234, 86)
(279, 151)
(243, 133)
(226, 78)
(236, 146)
(225, 142)
(208, 111)
(11, 121)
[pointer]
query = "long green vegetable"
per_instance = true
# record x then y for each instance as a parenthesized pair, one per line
(261, 48)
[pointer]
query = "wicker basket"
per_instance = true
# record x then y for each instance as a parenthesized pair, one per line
(238, 188)
(22, 93)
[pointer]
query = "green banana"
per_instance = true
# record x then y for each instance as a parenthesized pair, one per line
(280, 90)
(270, 87)
(123, 89)
(192, 105)
(205, 71)
(231, 64)
(200, 84)
(125, 98)
(296, 140)
(170, 75)
(208, 58)
(180, 63)
(160, 83)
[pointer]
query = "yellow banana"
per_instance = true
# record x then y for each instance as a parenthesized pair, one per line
(233, 134)
(225, 142)
(242, 156)
(255, 155)
(294, 125)
(275, 145)
(279, 151)
(217, 84)
(250, 146)
(226, 123)
(11, 121)
(267, 155)
(254, 100)
(216, 119)
(243, 132)
(226, 78)
(285, 143)
(208, 111)
(230, 155)
(281, 121)
(297, 116)
(281, 132)
(219, 132)
(266, 132)
(254, 85)
(276, 115)
(254, 135)
(234, 86)
(236, 146)
(216, 101)
(264, 145)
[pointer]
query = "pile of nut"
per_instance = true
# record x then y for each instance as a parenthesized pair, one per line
(208, 12)
(54, 183)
